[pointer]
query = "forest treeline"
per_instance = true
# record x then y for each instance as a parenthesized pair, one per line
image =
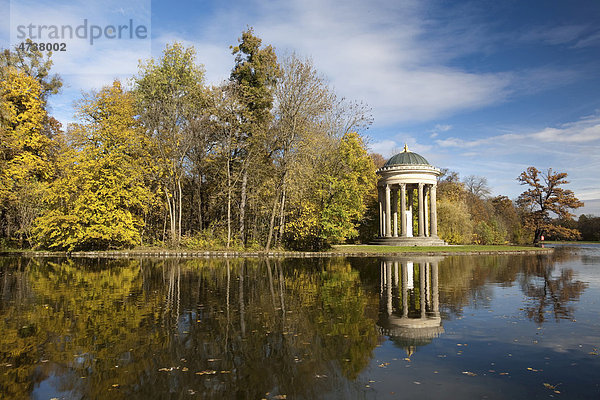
(272, 157)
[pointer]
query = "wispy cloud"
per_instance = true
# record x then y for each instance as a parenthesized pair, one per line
(585, 130)
(572, 147)
(439, 128)
(85, 66)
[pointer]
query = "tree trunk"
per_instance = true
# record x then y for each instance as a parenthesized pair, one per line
(539, 232)
(180, 210)
(172, 216)
(200, 202)
(272, 222)
(228, 204)
(281, 216)
(243, 206)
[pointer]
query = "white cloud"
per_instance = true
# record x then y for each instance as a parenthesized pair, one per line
(374, 52)
(386, 148)
(84, 66)
(585, 130)
(572, 147)
(371, 51)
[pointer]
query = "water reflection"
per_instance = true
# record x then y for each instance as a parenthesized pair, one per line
(410, 307)
(171, 328)
(299, 328)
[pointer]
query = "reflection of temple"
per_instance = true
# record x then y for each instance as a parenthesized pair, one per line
(409, 306)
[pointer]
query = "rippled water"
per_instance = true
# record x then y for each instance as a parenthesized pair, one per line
(497, 327)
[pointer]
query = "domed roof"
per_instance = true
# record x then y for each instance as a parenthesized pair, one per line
(407, 157)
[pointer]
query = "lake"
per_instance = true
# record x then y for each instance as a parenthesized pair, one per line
(489, 327)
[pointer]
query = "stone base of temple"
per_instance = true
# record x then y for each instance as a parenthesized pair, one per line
(409, 241)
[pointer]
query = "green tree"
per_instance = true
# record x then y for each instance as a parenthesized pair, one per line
(545, 197)
(170, 95)
(255, 72)
(589, 226)
(454, 221)
(303, 98)
(340, 200)
(99, 200)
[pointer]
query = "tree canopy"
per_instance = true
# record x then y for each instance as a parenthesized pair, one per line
(545, 198)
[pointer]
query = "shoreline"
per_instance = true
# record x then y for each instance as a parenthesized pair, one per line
(383, 252)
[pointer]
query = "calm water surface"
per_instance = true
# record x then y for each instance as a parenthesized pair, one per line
(493, 327)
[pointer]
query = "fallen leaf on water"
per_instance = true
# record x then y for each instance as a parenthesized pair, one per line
(225, 372)
(116, 385)
(207, 372)
(280, 396)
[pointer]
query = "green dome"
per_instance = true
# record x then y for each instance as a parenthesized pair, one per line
(407, 157)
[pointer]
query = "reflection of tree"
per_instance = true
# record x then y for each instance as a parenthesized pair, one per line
(548, 293)
(220, 328)
(466, 281)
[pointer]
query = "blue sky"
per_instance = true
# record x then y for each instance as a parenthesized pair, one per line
(480, 87)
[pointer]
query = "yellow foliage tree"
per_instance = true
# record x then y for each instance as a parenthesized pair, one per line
(99, 200)
(25, 150)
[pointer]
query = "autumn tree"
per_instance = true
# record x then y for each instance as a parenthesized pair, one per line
(477, 185)
(26, 152)
(169, 94)
(33, 63)
(302, 101)
(29, 137)
(99, 200)
(338, 202)
(545, 198)
(255, 72)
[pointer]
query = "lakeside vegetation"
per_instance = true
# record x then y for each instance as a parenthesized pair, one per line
(272, 158)
(473, 248)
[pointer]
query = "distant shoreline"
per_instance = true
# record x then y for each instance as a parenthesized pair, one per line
(337, 251)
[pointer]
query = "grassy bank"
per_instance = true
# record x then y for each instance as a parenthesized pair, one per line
(475, 249)
(571, 242)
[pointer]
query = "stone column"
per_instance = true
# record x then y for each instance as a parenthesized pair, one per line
(425, 209)
(403, 209)
(388, 212)
(395, 210)
(432, 199)
(409, 221)
(421, 211)
(380, 202)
